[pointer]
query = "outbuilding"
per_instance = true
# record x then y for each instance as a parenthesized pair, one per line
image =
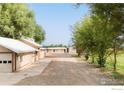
(32, 43)
(56, 50)
(14, 55)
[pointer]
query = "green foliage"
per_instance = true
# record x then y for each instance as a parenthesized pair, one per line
(112, 17)
(55, 45)
(112, 13)
(17, 21)
(92, 38)
(39, 34)
(83, 36)
(98, 33)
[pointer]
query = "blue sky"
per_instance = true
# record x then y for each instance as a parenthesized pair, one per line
(57, 19)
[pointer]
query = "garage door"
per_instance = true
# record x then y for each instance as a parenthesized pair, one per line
(5, 62)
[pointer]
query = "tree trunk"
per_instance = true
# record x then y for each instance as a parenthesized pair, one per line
(78, 52)
(92, 58)
(115, 55)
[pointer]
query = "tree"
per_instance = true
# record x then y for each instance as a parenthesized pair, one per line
(93, 38)
(55, 45)
(113, 15)
(39, 34)
(83, 37)
(17, 21)
(108, 26)
(76, 38)
(102, 38)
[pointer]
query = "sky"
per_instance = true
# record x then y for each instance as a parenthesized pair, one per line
(57, 20)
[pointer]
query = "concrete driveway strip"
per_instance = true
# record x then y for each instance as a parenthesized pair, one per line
(34, 69)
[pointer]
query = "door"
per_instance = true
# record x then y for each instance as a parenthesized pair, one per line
(5, 62)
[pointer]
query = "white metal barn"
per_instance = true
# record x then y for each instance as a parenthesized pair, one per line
(15, 54)
(56, 50)
(40, 52)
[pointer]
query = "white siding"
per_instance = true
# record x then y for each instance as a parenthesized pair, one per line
(41, 54)
(2, 49)
(25, 59)
(5, 67)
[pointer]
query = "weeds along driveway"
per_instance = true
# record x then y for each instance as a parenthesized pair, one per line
(32, 70)
(67, 70)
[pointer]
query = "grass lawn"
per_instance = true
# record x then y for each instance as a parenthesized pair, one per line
(119, 74)
(120, 62)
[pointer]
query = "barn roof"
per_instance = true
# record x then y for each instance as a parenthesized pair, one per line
(16, 45)
(31, 43)
(56, 48)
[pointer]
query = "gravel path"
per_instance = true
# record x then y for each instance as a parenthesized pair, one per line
(66, 70)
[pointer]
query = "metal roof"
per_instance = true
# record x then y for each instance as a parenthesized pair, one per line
(56, 48)
(16, 45)
(31, 42)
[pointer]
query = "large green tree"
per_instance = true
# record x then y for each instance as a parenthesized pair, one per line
(113, 14)
(93, 38)
(102, 38)
(17, 21)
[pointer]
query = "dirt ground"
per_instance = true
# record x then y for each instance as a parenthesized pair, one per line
(68, 70)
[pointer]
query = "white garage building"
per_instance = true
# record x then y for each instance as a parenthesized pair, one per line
(40, 52)
(15, 54)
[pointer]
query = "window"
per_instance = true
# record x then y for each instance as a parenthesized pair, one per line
(4, 61)
(0, 61)
(9, 61)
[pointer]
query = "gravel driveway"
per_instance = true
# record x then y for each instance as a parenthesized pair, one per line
(66, 70)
